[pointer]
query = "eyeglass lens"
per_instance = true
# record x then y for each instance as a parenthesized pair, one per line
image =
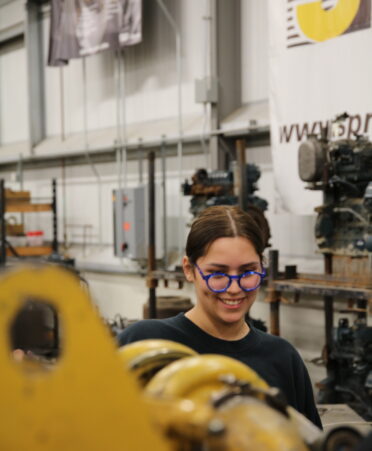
(220, 282)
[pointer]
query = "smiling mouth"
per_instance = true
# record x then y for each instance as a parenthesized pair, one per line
(232, 301)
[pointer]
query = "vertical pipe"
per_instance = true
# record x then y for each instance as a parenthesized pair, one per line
(328, 305)
(274, 301)
(179, 105)
(64, 203)
(118, 212)
(151, 246)
(86, 149)
(1, 103)
(214, 107)
(55, 224)
(164, 186)
(241, 182)
(124, 119)
(2, 223)
(62, 103)
(140, 161)
(20, 180)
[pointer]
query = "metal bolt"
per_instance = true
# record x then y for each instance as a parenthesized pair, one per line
(216, 427)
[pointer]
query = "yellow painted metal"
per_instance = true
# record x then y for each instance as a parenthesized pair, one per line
(197, 377)
(146, 357)
(252, 425)
(88, 401)
(181, 397)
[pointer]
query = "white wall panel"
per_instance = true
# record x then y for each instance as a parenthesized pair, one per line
(150, 74)
(13, 95)
(11, 13)
(254, 48)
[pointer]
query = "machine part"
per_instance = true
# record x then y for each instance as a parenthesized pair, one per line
(342, 169)
(61, 408)
(349, 366)
(198, 373)
(217, 188)
(229, 407)
(311, 160)
(368, 242)
(146, 357)
(367, 198)
(208, 402)
(341, 438)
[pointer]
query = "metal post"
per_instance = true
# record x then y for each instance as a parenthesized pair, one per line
(164, 186)
(274, 296)
(151, 282)
(55, 225)
(241, 182)
(140, 161)
(2, 224)
(62, 99)
(20, 180)
(328, 304)
(64, 202)
(215, 160)
(35, 70)
(86, 150)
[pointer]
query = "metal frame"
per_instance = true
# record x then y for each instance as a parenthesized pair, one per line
(225, 55)
(35, 67)
(323, 285)
(3, 242)
(254, 137)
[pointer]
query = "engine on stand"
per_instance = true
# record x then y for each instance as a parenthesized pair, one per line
(209, 188)
(342, 169)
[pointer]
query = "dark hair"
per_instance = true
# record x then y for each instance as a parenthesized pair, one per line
(222, 221)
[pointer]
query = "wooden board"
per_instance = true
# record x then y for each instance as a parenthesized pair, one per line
(17, 195)
(30, 251)
(24, 207)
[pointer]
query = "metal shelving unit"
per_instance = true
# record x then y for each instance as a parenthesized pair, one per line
(26, 206)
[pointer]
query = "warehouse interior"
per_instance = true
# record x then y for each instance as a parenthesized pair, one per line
(107, 156)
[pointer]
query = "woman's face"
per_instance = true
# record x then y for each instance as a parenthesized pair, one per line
(232, 256)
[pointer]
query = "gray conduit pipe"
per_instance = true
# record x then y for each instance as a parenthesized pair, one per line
(180, 124)
(87, 154)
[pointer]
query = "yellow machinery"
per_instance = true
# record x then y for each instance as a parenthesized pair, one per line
(152, 395)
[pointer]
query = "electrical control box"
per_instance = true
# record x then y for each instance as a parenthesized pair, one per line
(130, 220)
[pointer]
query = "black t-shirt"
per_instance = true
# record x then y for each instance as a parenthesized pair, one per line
(272, 357)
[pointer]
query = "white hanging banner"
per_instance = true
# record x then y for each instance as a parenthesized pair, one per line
(320, 67)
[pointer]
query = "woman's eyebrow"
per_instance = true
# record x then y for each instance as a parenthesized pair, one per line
(245, 265)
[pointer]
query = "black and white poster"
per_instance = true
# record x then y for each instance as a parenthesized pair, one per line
(84, 27)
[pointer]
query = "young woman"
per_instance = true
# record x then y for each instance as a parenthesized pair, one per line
(224, 262)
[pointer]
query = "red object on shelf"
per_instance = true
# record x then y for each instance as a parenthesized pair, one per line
(35, 237)
(35, 233)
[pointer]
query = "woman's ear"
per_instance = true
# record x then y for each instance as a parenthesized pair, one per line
(188, 269)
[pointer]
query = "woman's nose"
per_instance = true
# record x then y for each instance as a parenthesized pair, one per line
(234, 287)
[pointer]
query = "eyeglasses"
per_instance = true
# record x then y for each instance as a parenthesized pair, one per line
(219, 282)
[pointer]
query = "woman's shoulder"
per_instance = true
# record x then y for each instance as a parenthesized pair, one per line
(275, 343)
(145, 329)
